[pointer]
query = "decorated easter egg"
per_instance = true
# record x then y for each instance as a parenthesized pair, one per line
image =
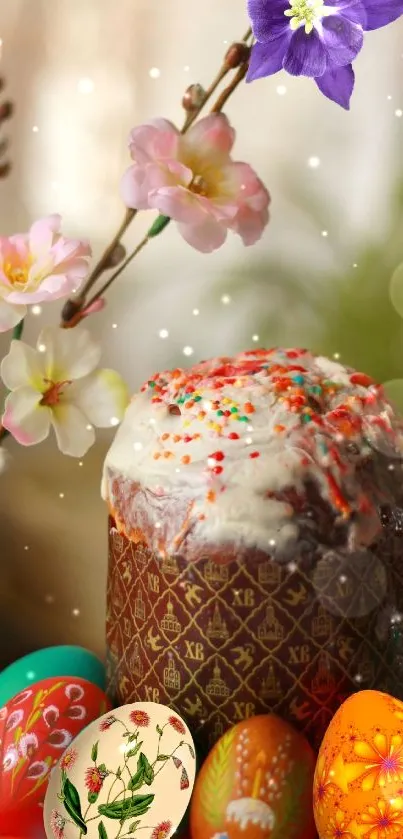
(358, 786)
(129, 773)
(47, 664)
(36, 726)
(256, 783)
(28, 824)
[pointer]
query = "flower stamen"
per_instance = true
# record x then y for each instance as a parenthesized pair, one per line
(16, 274)
(199, 185)
(53, 394)
(305, 13)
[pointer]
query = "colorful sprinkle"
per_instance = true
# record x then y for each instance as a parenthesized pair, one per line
(290, 396)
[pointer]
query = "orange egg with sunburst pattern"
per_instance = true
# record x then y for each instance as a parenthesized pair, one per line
(358, 784)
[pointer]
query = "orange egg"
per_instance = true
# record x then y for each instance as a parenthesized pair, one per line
(255, 784)
(358, 785)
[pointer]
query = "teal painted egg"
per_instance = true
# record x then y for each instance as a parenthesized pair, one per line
(49, 663)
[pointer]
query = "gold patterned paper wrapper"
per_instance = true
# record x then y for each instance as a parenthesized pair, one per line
(223, 641)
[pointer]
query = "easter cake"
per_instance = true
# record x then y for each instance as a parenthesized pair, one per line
(255, 541)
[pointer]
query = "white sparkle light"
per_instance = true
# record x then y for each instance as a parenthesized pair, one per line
(75, 613)
(85, 86)
(26, 547)
(42, 347)
(281, 90)
(114, 420)
(61, 494)
(163, 333)
(196, 312)
(336, 355)
(35, 129)
(398, 112)
(114, 326)
(186, 68)
(36, 310)
(314, 162)
(225, 299)
(325, 233)
(355, 265)
(80, 463)
(137, 447)
(154, 73)
(255, 338)
(188, 351)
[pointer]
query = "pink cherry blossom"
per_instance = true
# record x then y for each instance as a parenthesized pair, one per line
(38, 266)
(192, 179)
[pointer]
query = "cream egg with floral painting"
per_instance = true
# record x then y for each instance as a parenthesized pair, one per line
(130, 773)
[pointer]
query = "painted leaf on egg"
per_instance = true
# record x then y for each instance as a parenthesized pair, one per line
(36, 727)
(124, 809)
(218, 781)
(102, 831)
(72, 804)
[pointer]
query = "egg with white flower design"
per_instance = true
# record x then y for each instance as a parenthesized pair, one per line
(131, 773)
(36, 726)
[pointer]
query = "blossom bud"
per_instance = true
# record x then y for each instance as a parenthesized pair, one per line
(5, 169)
(6, 110)
(237, 54)
(116, 257)
(70, 309)
(193, 97)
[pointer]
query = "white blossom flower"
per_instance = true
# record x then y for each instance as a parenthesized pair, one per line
(57, 384)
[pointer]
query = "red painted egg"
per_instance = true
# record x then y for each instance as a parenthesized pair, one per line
(28, 825)
(36, 726)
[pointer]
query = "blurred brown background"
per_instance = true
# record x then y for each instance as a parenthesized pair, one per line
(82, 73)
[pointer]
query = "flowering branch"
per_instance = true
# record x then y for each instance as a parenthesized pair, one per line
(194, 100)
(6, 111)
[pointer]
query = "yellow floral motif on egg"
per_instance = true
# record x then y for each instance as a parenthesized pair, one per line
(338, 827)
(324, 784)
(383, 760)
(342, 774)
(382, 821)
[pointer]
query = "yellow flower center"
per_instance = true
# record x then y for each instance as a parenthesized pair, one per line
(16, 274)
(199, 185)
(305, 13)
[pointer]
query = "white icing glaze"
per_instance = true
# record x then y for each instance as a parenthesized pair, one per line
(250, 428)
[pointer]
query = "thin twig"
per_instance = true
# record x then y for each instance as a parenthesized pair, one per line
(228, 91)
(104, 259)
(118, 271)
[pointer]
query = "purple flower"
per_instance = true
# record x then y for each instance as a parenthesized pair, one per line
(315, 38)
